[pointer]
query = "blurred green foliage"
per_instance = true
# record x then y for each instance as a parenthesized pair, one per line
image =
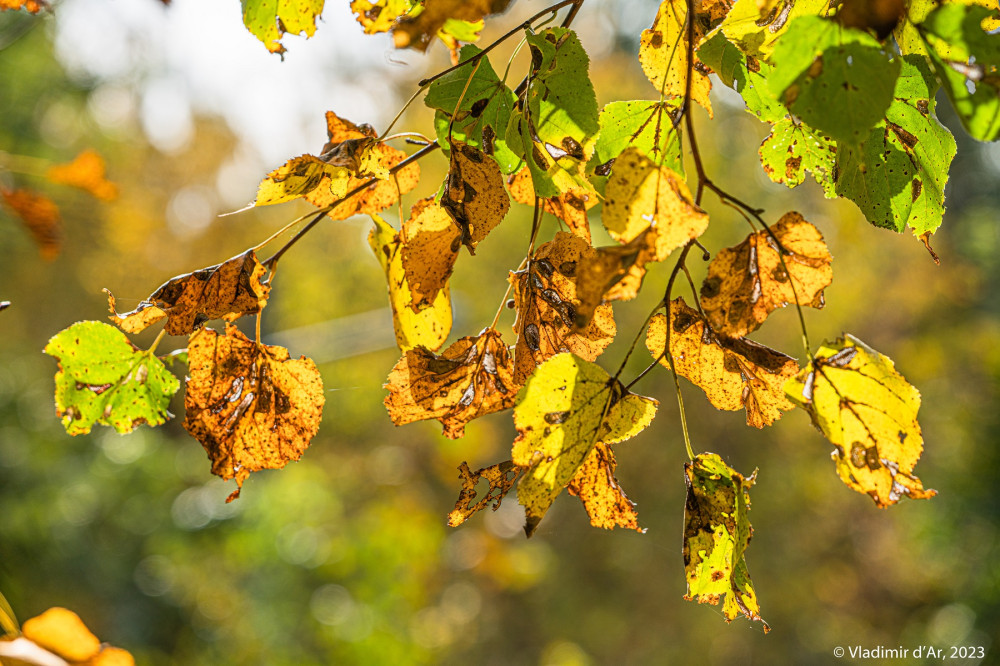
(345, 558)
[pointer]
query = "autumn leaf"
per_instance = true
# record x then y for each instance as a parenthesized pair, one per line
(716, 534)
(381, 15)
(570, 206)
(734, 373)
(663, 54)
(792, 148)
(227, 291)
(500, 477)
(755, 34)
(59, 636)
(33, 6)
(430, 241)
(474, 194)
(546, 302)
(471, 378)
(250, 405)
(302, 176)
(869, 412)
(641, 195)
(86, 171)
(647, 126)
(416, 30)
(40, 216)
(604, 500)
(104, 379)
(270, 20)
(613, 273)
(748, 282)
(421, 327)
(567, 407)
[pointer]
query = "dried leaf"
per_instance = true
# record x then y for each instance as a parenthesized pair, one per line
(104, 379)
(567, 407)
(86, 171)
(270, 20)
(570, 206)
(250, 405)
(431, 241)
(716, 534)
(474, 193)
(40, 216)
(417, 31)
(227, 291)
(421, 327)
(869, 412)
(604, 500)
(641, 195)
(546, 302)
(663, 54)
(302, 176)
(613, 273)
(471, 378)
(501, 478)
(734, 373)
(748, 282)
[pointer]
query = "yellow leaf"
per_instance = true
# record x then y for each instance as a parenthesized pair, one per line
(869, 412)
(613, 273)
(565, 409)
(755, 26)
(416, 30)
(250, 405)
(734, 373)
(663, 54)
(301, 176)
(604, 500)
(62, 631)
(86, 171)
(500, 477)
(381, 15)
(748, 282)
(431, 241)
(427, 327)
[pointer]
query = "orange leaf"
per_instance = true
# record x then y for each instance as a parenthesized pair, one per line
(545, 297)
(596, 486)
(571, 206)
(250, 405)
(41, 216)
(33, 6)
(228, 291)
(471, 378)
(63, 632)
(474, 193)
(430, 244)
(613, 273)
(501, 478)
(86, 171)
(748, 282)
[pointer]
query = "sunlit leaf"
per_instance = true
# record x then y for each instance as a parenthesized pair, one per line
(748, 282)
(613, 273)
(33, 6)
(270, 20)
(229, 290)
(40, 216)
(734, 373)
(745, 74)
(500, 477)
(431, 241)
(757, 35)
(301, 176)
(663, 54)
(716, 534)
(644, 125)
(792, 148)
(104, 379)
(471, 378)
(64, 636)
(570, 206)
(869, 412)
(250, 405)
(565, 409)
(604, 500)
(546, 302)
(416, 30)
(380, 15)
(474, 194)
(86, 171)
(425, 327)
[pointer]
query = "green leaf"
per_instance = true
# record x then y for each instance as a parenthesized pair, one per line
(869, 412)
(897, 175)
(967, 60)
(482, 116)
(565, 409)
(646, 125)
(836, 79)
(103, 378)
(269, 20)
(716, 534)
(745, 74)
(792, 148)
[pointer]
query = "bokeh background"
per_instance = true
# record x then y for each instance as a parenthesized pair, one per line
(344, 557)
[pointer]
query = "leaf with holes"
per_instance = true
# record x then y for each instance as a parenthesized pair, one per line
(604, 500)
(869, 412)
(104, 379)
(250, 405)
(500, 477)
(792, 148)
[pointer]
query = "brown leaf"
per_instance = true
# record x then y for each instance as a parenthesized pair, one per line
(604, 500)
(417, 31)
(227, 291)
(571, 206)
(545, 297)
(471, 378)
(250, 405)
(734, 373)
(501, 478)
(613, 273)
(86, 171)
(474, 193)
(430, 244)
(747, 282)
(880, 16)
(40, 216)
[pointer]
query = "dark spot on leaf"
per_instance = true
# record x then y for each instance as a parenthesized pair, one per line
(478, 107)
(604, 169)
(710, 287)
(556, 418)
(568, 268)
(489, 137)
(656, 41)
(536, 58)
(539, 158)
(871, 457)
(915, 187)
(858, 454)
(572, 147)
(531, 337)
